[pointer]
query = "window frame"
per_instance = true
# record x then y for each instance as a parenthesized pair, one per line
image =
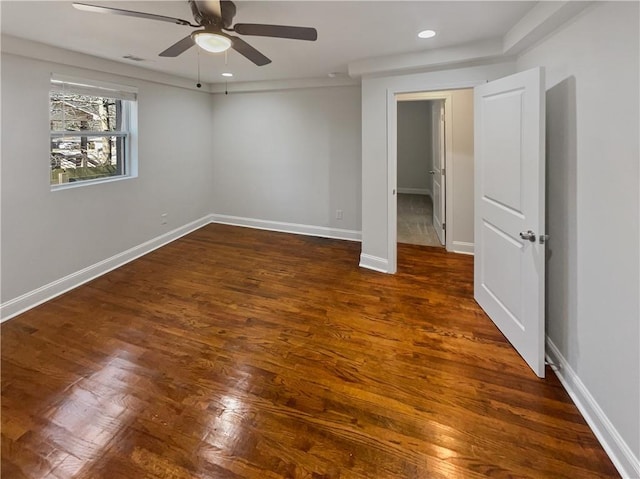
(128, 127)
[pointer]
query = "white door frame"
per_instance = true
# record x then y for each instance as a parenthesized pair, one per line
(430, 93)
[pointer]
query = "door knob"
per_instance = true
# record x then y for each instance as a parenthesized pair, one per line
(528, 235)
(432, 172)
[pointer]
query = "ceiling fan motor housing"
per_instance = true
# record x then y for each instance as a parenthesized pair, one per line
(203, 16)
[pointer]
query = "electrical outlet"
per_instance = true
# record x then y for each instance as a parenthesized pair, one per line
(163, 219)
(338, 214)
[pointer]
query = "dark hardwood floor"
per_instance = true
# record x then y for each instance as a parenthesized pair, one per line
(238, 353)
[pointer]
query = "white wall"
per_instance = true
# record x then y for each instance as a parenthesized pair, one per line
(47, 235)
(289, 156)
(414, 147)
(377, 95)
(593, 281)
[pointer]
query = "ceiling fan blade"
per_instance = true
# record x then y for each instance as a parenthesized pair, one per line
(179, 47)
(130, 13)
(243, 48)
(228, 11)
(278, 31)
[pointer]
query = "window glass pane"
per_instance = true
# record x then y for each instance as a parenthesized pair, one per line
(90, 157)
(73, 112)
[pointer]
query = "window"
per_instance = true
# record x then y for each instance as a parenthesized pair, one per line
(92, 131)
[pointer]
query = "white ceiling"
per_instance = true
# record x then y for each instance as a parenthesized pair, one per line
(348, 31)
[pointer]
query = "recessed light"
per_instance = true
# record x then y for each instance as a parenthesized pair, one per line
(227, 74)
(427, 34)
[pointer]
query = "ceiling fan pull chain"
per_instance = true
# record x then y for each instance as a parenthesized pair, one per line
(198, 84)
(226, 82)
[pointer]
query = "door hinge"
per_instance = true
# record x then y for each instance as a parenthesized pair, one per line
(444, 226)
(443, 171)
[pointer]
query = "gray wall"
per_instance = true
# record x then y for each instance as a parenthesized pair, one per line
(289, 156)
(593, 281)
(46, 234)
(414, 147)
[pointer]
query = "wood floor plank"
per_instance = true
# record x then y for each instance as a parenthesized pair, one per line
(238, 353)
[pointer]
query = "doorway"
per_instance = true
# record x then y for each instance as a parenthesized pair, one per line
(451, 178)
(421, 156)
(458, 169)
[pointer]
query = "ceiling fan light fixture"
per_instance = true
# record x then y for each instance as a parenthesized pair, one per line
(427, 34)
(211, 42)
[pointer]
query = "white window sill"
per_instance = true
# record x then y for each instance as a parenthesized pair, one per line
(99, 181)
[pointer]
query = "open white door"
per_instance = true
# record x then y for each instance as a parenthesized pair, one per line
(439, 160)
(510, 209)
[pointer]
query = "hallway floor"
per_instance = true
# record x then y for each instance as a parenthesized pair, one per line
(415, 224)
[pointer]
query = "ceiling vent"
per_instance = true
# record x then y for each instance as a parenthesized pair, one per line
(133, 58)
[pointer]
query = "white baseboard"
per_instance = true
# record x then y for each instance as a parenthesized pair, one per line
(375, 263)
(308, 230)
(462, 247)
(14, 307)
(414, 191)
(619, 452)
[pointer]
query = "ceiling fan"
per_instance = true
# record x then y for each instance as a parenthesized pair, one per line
(213, 18)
